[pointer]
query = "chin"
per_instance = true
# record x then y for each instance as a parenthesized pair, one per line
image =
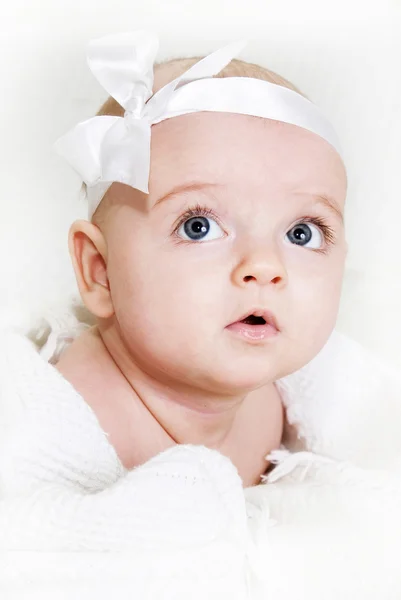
(239, 381)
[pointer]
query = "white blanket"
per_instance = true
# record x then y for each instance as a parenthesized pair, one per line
(325, 524)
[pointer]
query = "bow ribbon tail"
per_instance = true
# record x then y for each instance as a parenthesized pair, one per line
(207, 67)
(125, 153)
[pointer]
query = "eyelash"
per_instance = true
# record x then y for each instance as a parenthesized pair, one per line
(203, 211)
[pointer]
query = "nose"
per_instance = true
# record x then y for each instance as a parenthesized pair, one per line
(261, 268)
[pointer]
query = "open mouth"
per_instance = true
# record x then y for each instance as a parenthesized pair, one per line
(255, 327)
(252, 320)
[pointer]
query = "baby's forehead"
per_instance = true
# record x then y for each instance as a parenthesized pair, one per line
(240, 150)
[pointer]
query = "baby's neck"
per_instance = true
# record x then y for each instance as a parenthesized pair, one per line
(142, 418)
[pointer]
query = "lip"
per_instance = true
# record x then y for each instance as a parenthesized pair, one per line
(255, 333)
(267, 315)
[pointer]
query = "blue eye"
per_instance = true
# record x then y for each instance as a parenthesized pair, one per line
(302, 233)
(197, 225)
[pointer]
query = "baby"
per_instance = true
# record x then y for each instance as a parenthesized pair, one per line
(221, 280)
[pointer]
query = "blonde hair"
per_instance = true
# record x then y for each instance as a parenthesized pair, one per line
(166, 71)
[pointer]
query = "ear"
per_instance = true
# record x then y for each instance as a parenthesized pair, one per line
(88, 251)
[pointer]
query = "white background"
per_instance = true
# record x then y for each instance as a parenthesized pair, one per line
(345, 56)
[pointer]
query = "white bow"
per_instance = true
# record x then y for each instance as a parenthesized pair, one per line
(108, 148)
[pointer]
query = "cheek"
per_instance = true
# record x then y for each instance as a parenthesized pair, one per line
(170, 311)
(166, 289)
(316, 297)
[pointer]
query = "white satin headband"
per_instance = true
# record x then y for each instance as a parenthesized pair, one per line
(105, 149)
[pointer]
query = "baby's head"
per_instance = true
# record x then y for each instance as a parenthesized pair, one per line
(244, 214)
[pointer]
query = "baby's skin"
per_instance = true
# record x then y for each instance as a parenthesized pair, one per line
(137, 435)
(244, 216)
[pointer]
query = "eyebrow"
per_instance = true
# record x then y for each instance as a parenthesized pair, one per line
(331, 205)
(196, 186)
(187, 187)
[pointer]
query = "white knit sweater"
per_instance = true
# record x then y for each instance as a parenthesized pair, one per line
(74, 523)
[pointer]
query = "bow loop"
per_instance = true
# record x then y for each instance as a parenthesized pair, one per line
(81, 146)
(123, 64)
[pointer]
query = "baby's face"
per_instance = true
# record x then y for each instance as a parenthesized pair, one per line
(176, 284)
